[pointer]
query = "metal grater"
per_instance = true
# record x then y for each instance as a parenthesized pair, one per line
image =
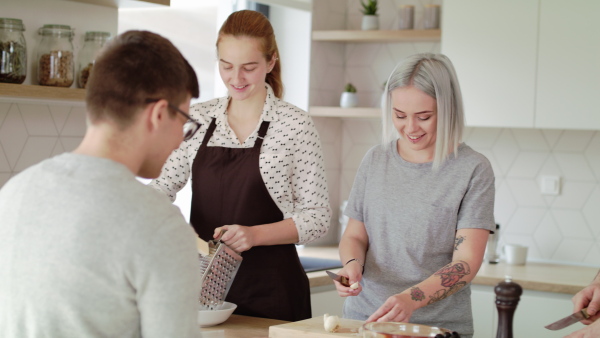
(218, 270)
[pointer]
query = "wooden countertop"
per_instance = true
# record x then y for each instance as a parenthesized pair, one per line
(558, 278)
(238, 326)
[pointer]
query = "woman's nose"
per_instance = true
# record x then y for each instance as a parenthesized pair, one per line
(237, 75)
(411, 125)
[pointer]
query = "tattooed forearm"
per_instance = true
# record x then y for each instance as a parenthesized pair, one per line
(453, 272)
(457, 241)
(445, 293)
(451, 276)
(417, 294)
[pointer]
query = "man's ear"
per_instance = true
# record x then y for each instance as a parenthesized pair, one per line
(156, 114)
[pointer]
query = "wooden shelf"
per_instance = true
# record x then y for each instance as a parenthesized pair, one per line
(356, 112)
(41, 92)
(409, 35)
(126, 3)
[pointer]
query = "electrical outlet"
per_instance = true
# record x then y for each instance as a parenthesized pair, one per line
(550, 185)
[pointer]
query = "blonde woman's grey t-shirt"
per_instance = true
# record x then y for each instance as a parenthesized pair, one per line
(411, 215)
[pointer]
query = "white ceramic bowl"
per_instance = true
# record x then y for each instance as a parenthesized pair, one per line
(214, 317)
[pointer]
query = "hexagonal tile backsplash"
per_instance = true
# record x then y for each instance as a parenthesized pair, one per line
(563, 228)
(30, 133)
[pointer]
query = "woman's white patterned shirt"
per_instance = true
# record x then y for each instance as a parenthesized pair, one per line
(291, 161)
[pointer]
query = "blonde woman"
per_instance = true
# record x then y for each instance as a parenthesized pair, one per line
(421, 207)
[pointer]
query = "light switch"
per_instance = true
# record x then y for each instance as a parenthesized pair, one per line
(550, 185)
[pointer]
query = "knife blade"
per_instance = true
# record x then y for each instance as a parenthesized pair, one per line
(341, 279)
(568, 320)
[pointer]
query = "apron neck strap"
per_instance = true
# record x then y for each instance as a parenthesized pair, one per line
(209, 132)
(261, 134)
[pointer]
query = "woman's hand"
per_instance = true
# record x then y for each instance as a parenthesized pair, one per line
(354, 274)
(238, 237)
(397, 308)
(588, 297)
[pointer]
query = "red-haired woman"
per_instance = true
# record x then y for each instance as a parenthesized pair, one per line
(257, 172)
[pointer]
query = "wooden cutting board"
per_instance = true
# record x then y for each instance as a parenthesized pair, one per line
(314, 328)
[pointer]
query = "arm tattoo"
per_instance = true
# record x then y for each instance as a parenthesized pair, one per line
(458, 241)
(451, 276)
(416, 294)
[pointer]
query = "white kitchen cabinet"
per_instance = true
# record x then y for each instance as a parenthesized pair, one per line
(526, 63)
(485, 317)
(492, 45)
(535, 310)
(568, 78)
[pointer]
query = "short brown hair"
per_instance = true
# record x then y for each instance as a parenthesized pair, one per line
(255, 25)
(133, 67)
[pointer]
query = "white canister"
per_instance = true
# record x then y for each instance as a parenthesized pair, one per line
(406, 19)
(431, 17)
(515, 254)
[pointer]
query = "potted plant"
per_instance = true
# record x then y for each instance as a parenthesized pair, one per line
(349, 98)
(370, 20)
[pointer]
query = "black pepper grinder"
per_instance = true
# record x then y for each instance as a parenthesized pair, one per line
(508, 294)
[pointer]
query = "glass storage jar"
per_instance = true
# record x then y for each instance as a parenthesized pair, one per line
(55, 56)
(13, 51)
(87, 55)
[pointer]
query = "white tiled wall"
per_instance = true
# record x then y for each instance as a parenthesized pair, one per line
(563, 228)
(31, 132)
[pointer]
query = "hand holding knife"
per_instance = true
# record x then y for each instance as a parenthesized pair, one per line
(568, 320)
(340, 279)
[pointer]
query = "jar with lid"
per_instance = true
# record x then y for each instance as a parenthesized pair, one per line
(87, 55)
(55, 56)
(13, 51)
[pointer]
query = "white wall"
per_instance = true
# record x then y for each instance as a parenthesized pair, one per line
(191, 29)
(292, 31)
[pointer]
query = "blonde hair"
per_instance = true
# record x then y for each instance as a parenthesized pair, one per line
(433, 74)
(255, 25)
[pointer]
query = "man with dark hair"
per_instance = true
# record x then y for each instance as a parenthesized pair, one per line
(85, 249)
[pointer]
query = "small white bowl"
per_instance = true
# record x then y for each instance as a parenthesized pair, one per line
(213, 317)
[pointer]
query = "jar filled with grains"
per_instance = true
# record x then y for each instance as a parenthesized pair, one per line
(87, 55)
(55, 56)
(13, 51)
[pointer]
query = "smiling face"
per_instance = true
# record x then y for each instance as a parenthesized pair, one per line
(243, 66)
(415, 118)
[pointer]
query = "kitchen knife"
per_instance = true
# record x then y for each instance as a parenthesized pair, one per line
(341, 279)
(568, 320)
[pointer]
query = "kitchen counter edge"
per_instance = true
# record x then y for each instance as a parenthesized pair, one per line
(558, 278)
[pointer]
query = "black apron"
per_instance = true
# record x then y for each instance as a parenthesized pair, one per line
(227, 188)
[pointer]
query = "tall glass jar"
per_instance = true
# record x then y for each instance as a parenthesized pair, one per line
(55, 56)
(13, 51)
(87, 55)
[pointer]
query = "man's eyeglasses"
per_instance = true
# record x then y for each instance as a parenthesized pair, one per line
(190, 127)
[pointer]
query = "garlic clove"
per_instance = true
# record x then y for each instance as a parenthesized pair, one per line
(354, 286)
(331, 323)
